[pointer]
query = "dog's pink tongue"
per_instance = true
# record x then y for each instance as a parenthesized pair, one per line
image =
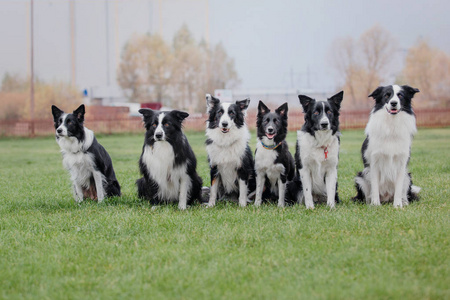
(270, 136)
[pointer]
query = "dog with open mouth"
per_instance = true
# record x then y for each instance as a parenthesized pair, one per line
(387, 148)
(229, 155)
(274, 164)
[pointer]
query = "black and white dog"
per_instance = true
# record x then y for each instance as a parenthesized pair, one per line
(387, 148)
(317, 150)
(167, 162)
(88, 163)
(229, 154)
(274, 164)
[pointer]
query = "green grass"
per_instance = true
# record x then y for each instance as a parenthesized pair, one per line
(52, 248)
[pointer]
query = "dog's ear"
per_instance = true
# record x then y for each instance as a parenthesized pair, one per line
(282, 110)
(211, 102)
(179, 115)
(79, 113)
(375, 94)
(337, 99)
(243, 104)
(147, 114)
(305, 101)
(56, 113)
(262, 108)
(410, 90)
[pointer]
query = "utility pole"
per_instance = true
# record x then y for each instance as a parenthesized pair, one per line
(72, 43)
(32, 67)
(107, 45)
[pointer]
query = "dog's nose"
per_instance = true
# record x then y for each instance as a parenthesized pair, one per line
(158, 135)
(270, 130)
(324, 124)
(394, 103)
(224, 124)
(59, 130)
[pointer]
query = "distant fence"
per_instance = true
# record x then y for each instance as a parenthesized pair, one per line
(108, 125)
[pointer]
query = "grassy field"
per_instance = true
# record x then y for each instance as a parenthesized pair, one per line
(52, 248)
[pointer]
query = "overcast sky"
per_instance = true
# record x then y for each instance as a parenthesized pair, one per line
(275, 44)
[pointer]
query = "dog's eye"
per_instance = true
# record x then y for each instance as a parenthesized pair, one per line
(400, 96)
(329, 112)
(387, 95)
(69, 122)
(231, 114)
(154, 124)
(219, 114)
(166, 124)
(316, 113)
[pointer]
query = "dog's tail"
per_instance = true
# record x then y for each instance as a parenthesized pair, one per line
(113, 188)
(293, 190)
(359, 181)
(413, 191)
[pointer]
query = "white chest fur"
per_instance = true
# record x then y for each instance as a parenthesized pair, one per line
(226, 152)
(79, 163)
(265, 164)
(389, 135)
(159, 160)
(314, 158)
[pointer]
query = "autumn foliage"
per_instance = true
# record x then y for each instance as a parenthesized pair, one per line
(176, 75)
(15, 98)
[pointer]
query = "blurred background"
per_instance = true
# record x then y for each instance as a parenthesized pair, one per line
(120, 55)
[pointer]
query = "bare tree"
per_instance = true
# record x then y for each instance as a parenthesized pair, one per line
(428, 69)
(377, 48)
(146, 68)
(180, 75)
(362, 64)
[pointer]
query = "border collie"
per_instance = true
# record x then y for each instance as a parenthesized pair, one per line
(317, 150)
(274, 164)
(387, 148)
(167, 163)
(88, 163)
(229, 155)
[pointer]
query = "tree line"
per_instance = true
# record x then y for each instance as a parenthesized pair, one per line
(179, 74)
(176, 75)
(365, 63)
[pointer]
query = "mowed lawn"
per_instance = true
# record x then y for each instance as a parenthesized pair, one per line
(52, 248)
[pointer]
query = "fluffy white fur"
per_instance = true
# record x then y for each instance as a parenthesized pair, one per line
(316, 167)
(174, 183)
(226, 152)
(390, 139)
(80, 164)
(264, 166)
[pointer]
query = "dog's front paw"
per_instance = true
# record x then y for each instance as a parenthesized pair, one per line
(243, 202)
(331, 205)
(182, 206)
(375, 202)
(309, 206)
(398, 204)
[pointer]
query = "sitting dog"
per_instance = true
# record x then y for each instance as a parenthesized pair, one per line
(88, 163)
(387, 148)
(229, 154)
(317, 150)
(167, 162)
(274, 164)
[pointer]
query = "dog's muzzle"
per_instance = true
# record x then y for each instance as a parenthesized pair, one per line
(393, 108)
(159, 136)
(270, 133)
